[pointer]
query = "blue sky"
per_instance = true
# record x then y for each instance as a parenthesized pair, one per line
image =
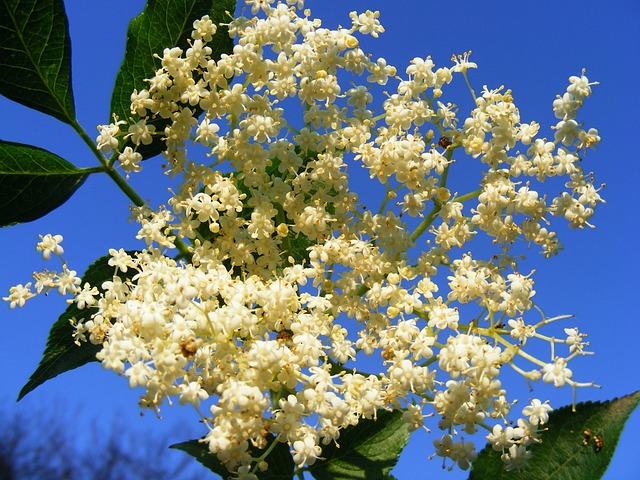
(530, 48)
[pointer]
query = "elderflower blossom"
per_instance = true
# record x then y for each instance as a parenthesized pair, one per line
(289, 281)
(50, 244)
(18, 295)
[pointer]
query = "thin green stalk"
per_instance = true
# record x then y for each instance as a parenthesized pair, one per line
(466, 79)
(131, 194)
(445, 174)
(109, 170)
(428, 220)
(388, 196)
(264, 456)
(90, 143)
(469, 196)
(362, 289)
(90, 170)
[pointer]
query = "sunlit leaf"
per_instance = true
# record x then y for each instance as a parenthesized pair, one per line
(33, 182)
(163, 24)
(279, 459)
(368, 450)
(61, 353)
(35, 56)
(566, 451)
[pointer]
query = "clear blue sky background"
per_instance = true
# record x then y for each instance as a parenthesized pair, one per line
(531, 48)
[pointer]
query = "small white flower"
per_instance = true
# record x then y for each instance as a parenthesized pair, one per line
(516, 457)
(50, 244)
(86, 297)
(575, 340)
(462, 62)
(67, 281)
(306, 451)
(501, 438)
(120, 259)
(537, 412)
(367, 23)
(107, 140)
(140, 132)
(556, 372)
(18, 295)
(130, 160)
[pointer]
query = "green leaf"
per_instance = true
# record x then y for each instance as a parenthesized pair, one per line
(296, 246)
(368, 450)
(61, 353)
(163, 24)
(35, 56)
(280, 462)
(33, 182)
(562, 454)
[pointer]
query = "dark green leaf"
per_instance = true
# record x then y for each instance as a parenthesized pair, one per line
(163, 24)
(563, 455)
(280, 462)
(61, 353)
(296, 246)
(35, 56)
(33, 182)
(367, 451)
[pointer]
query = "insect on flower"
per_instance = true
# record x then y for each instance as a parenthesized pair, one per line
(445, 142)
(599, 443)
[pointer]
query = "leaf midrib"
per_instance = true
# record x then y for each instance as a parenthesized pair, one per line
(26, 51)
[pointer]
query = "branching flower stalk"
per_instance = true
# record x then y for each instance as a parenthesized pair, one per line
(293, 281)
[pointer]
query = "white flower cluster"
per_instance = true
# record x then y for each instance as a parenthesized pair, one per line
(65, 281)
(292, 281)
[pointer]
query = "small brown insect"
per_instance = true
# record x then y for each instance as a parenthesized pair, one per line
(189, 347)
(599, 443)
(587, 437)
(284, 337)
(444, 142)
(388, 353)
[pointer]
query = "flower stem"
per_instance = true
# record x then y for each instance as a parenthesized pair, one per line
(469, 196)
(466, 79)
(428, 220)
(107, 167)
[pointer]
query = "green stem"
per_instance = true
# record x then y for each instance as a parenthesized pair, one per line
(445, 174)
(337, 368)
(131, 194)
(264, 455)
(362, 289)
(390, 193)
(108, 169)
(469, 196)
(386, 197)
(282, 218)
(466, 79)
(90, 143)
(430, 103)
(519, 351)
(428, 220)
(90, 170)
